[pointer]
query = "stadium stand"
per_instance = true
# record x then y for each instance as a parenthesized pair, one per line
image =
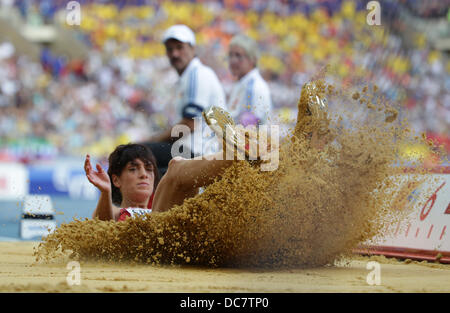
(59, 105)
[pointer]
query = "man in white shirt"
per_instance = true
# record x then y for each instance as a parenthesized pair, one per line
(197, 89)
(250, 101)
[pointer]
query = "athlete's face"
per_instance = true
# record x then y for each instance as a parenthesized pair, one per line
(136, 181)
(240, 62)
(179, 54)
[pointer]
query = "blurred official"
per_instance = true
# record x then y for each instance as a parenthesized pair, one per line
(250, 101)
(197, 89)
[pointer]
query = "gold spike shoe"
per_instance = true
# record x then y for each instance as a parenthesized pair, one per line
(234, 138)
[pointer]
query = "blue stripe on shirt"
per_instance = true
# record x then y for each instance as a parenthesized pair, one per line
(192, 86)
(249, 94)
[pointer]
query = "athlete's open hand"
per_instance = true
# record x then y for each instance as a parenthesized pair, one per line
(99, 178)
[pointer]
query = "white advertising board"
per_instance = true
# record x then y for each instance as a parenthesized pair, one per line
(13, 181)
(424, 233)
(38, 217)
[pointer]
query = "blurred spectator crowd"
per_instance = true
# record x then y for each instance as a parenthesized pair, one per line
(121, 91)
(428, 9)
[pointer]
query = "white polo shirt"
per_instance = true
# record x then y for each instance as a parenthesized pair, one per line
(250, 94)
(197, 89)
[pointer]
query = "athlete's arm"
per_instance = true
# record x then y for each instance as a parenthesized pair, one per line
(105, 209)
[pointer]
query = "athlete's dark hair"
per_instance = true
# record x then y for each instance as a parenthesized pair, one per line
(120, 157)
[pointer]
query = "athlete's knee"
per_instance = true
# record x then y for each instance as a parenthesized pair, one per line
(175, 166)
(174, 176)
(175, 160)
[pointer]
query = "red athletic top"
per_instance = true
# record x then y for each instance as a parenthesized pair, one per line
(126, 212)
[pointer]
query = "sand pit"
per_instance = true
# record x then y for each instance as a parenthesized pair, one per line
(253, 231)
(18, 274)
